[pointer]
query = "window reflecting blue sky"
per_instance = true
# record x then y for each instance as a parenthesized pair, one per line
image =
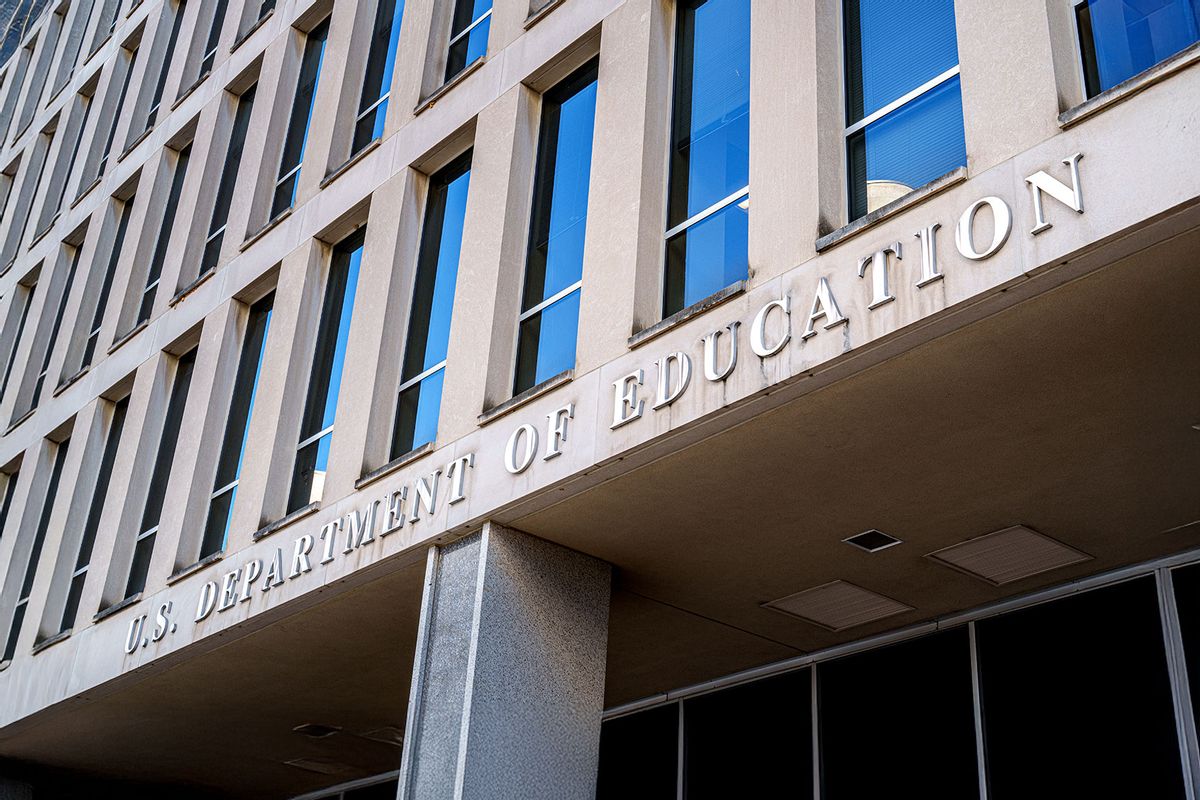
(1120, 38)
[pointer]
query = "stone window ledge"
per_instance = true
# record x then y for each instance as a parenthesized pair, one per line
(192, 569)
(429, 100)
(542, 13)
(105, 613)
(897, 206)
(533, 392)
(1128, 88)
(681, 316)
(286, 520)
(393, 465)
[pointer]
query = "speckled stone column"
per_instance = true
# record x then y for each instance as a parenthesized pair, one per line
(15, 790)
(508, 681)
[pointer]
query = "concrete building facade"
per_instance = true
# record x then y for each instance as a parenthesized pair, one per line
(371, 429)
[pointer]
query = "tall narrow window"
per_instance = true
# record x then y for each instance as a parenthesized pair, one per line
(106, 24)
(47, 343)
(433, 299)
(297, 132)
(64, 165)
(229, 174)
(154, 271)
(25, 199)
(549, 318)
(23, 300)
(10, 489)
(35, 553)
(214, 37)
(36, 79)
(377, 83)
(709, 200)
(41, 70)
(468, 34)
(14, 80)
(237, 425)
(316, 427)
(116, 113)
(70, 56)
(114, 257)
(1118, 39)
(92, 524)
(904, 124)
(156, 98)
(143, 547)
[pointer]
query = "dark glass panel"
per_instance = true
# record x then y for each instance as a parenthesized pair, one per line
(116, 117)
(900, 721)
(214, 36)
(12, 356)
(35, 553)
(377, 80)
(639, 756)
(1077, 700)
(168, 57)
(1187, 599)
(376, 791)
(110, 272)
(302, 105)
(52, 339)
(10, 488)
(753, 740)
(229, 174)
(233, 444)
(437, 268)
(466, 48)
(163, 459)
(164, 234)
(325, 379)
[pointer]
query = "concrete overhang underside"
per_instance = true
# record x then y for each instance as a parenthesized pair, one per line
(1072, 412)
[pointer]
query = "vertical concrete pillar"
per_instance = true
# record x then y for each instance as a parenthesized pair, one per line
(508, 680)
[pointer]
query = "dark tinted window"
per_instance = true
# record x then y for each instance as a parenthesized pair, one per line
(1119, 38)
(1187, 599)
(639, 756)
(750, 741)
(297, 132)
(899, 721)
(1077, 700)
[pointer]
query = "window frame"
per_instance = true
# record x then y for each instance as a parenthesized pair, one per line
(740, 195)
(849, 129)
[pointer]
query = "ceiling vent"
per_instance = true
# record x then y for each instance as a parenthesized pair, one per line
(319, 766)
(838, 605)
(873, 541)
(388, 734)
(316, 730)
(1008, 555)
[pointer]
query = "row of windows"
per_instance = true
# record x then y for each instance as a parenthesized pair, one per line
(897, 118)
(1068, 698)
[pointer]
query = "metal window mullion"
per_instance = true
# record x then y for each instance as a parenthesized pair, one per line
(977, 701)
(679, 757)
(226, 488)
(549, 301)
(81, 571)
(1185, 722)
(470, 27)
(147, 533)
(290, 172)
(151, 285)
(314, 438)
(408, 384)
(215, 234)
(903, 100)
(382, 99)
(708, 212)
